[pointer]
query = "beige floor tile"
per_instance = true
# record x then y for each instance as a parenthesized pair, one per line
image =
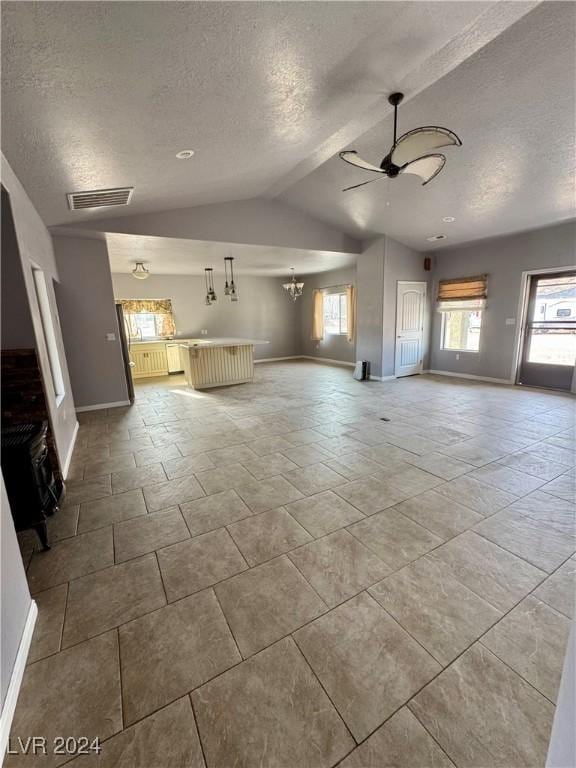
(550, 510)
(48, 630)
(542, 545)
(442, 466)
(366, 662)
(532, 639)
(314, 479)
(394, 538)
(353, 466)
(475, 451)
(303, 437)
(370, 495)
(172, 492)
(323, 513)
(157, 454)
(305, 455)
(480, 497)
(185, 466)
(170, 652)
(269, 465)
(166, 739)
(261, 495)
(148, 533)
(266, 445)
(224, 478)
(122, 447)
(270, 711)
(112, 509)
(559, 589)
(342, 445)
(338, 566)
(553, 453)
(195, 564)
(129, 479)
(402, 742)
(211, 512)
(463, 709)
(266, 603)
(71, 558)
(235, 454)
(62, 524)
(268, 534)
(388, 455)
(78, 491)
(494, 574)
(111, 597)
(75, 692)
(411, 480)
(507, 479)
(107, 466)
(435, 608)
(439, 514)
(532, 464)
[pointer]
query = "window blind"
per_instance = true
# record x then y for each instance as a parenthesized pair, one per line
(462, 289)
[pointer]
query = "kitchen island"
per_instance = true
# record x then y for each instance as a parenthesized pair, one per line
(218, 362)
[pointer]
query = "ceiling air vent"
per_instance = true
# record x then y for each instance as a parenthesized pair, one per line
(99, 198)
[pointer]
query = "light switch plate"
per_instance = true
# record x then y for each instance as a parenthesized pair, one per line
(510, 321)
(110, 337)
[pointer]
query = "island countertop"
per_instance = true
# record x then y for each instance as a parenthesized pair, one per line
(219, 342)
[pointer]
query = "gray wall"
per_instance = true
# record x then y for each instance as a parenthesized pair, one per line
(370, 298)
(331, 347)
(35, 248)
(503, 259)
(15, 595)
(87, 313)
(401, 263)
(262, 312)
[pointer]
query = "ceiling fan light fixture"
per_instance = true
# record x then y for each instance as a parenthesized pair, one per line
(140, 272)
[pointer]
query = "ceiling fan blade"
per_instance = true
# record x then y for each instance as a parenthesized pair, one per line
(351, 156)
(421, 141)
(355, 186)
(426, 167)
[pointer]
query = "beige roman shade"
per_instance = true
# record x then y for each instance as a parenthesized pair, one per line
(462, 289)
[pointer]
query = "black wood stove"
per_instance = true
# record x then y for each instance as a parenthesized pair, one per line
(33, 490)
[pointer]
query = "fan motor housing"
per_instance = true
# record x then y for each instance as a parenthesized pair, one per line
(389, 168)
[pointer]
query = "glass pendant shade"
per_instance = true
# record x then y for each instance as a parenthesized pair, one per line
(230, 285)
(210, 294)
(140, 272)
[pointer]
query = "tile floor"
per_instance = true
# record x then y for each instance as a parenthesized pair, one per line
(271, 575)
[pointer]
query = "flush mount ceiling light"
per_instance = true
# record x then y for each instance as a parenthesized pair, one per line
(448, 219)
(140, 271)
(230, 287)
(185, 154)
(210, 292)
(433, 238)
(411, 153)
(293, 288)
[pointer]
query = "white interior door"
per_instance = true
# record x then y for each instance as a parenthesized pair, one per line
(410, 305)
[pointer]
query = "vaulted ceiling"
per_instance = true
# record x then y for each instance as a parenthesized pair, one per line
(100, 95)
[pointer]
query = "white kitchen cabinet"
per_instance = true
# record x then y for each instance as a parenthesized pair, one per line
(149, 360)
(173, 356)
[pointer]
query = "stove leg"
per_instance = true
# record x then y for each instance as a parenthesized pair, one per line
(42, 531)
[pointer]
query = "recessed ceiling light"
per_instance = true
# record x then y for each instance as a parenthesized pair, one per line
(185, 154)
(448, 219)
(436, 237)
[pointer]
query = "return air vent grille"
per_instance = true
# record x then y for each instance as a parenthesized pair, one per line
(99, 198)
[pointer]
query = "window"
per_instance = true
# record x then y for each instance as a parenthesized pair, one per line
(149, 318)
(336, 314)
(49, 334)
(461, 330)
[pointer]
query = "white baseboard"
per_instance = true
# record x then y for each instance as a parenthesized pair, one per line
(16, 678)
(66, 466)
(100, 406)
(277, 359)
(472, 376)
(382, 378)
(327, 360)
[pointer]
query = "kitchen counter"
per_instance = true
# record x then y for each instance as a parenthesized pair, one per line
(218, 362)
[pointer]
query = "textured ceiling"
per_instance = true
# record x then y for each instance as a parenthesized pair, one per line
(173, 256)
(513, 105)
(103, 94)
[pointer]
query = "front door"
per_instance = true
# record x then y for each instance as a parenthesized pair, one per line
(410, 306)
(549, 345)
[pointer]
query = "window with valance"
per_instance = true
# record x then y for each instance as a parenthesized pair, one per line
(149, 318)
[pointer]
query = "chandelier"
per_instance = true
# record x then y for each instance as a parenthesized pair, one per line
(293, 288)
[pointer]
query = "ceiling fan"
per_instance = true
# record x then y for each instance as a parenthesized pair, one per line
(411, 153)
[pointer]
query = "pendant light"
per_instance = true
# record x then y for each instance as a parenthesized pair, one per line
(293, 288)
(210, 292)
(232, 285)
(140, 272)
